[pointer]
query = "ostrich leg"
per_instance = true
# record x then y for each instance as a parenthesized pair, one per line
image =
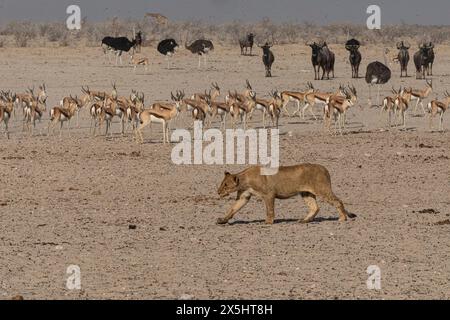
(378, 95)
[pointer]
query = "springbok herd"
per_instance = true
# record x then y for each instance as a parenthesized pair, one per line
(206, 107)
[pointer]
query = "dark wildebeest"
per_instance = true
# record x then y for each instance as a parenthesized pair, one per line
(403, 57)
(117, 45)
(246, 43)
(353, 45)
(268, 58)
(322, 58)
(422, 59)
(139, 40)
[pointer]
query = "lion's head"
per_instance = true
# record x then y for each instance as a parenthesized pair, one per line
(229, 185)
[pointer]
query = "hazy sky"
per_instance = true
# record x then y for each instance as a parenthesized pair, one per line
(321, 11)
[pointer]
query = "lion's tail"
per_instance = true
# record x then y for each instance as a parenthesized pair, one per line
(351, 215)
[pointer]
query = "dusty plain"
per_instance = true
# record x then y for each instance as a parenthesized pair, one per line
(141, 227)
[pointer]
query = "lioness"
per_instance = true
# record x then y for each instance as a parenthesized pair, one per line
(308, 180)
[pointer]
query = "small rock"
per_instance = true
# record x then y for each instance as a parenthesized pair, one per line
(132, 227)
(162, 229)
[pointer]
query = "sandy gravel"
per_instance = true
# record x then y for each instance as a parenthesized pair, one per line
(141, 227)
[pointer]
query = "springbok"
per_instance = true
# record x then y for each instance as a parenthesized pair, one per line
(401, 106)
(220, 109)
(248, 93)
(275, 108)
(295, 96)
(316, 97)
(61, 115)
(337, 107)
(162, 113)
(438, 108)
(139, 61)
(389, 105)
(241, 109)
(22, 99)
(82, 102)
(34, 109)
(421, 95)
(7, 101)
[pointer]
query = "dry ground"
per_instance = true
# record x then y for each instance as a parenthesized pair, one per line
(72, 200)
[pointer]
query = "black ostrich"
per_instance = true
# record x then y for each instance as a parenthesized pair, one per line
(352, 46)
(118, 46)
(202, 48)
(167, 48)
(379, 74)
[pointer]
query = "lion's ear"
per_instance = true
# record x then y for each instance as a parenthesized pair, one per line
(227, 173)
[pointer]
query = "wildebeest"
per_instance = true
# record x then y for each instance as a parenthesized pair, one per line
(322, 58)
(403, 57)
(423, 59)
(117, 45)
(353, 45)
(268, 58)
(200, 47)
(246, 43)
(139, 40)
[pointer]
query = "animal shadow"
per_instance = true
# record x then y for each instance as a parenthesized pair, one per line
(277, 221)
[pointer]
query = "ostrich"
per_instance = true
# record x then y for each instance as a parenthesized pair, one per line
(403, 57)
(167, 48)
(118, 45)
(355, 56)
(202, 48)
(377, 73)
